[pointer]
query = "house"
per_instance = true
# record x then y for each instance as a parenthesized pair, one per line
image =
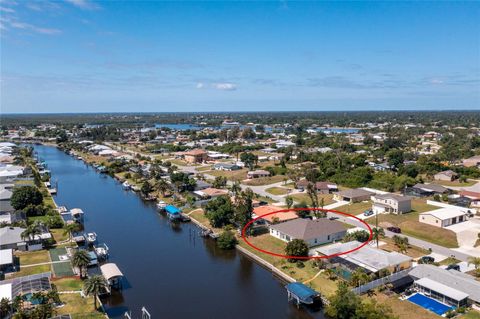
(370, 259)
(321, 187)
(474, 197)
(5, 206)
(391, 203)
(211, 192)
(273, 218)
(6, 259)
(353, 195)
(444, 216)
(313, 232)
(448, 175)
(226, 167)
(195, 156)
(201, 185)
(448, 286)
(11, 237)
(257, 174)
(9, 172)
(427, 190)
(21, 286)
(472, 161)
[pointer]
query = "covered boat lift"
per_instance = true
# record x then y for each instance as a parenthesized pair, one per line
(112, 274)
(301, 293)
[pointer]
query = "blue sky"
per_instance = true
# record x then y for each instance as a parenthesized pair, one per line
(87, 56)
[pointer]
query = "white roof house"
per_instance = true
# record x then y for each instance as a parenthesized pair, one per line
(6, 291)
(446, 290)
(367, 257)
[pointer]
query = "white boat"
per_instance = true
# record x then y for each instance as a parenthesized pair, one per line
(91, 237)
(126, 185)
(161, 205)
(101, 251)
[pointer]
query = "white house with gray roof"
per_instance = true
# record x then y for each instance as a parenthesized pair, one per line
(391, 203)
(313, 232)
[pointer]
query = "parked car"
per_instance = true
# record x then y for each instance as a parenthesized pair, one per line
(394, 229)
(427, 260)
(454, 267)
(368, 212)
(333, 218)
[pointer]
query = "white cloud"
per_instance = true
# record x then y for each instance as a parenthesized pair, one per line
(5, 9)
(30, 27)
(225, 86)
(84, 4)
(200, 85)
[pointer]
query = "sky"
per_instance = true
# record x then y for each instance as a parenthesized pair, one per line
(153, 56)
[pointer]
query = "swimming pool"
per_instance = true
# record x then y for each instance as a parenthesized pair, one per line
(429, 304)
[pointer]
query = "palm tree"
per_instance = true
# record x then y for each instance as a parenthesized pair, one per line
(32, 230)
(476, 262)
(235, 188)
(162, 186)
(81, 259)
(93, 286)
(378, 233)
(69, 229)
(4, 307)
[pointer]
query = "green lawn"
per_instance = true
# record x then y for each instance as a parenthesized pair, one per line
(265, 180)
(404, 309)
(277, 190)
(238, 175)
(25, 271)
(303, 197)
(68, 284)
(58, 234)
(355, 208)
(199, 216)
(267, 242)
(63, 269)
(472, 314)
(410, 225)
(33, 257)
(79, 307)
(455, 183)
(421, 206)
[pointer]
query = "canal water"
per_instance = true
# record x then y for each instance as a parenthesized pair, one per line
(169, 269)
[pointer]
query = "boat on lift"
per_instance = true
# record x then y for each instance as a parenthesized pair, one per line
(91, 238)
(161, 205)
(101, 250)
(126, 185)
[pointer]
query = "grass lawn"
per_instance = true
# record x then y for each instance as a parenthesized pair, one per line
(303, 197)
(404, 309)
(33, 257)
(472, 314)
(265, 180)
(421, 206)
(78, 307)
(238, 175)
(355, 208)
(68, 284)
(199, 216)
(277, 190)
(267, 242)
(58, 234)
(25, 271)
(203, 168)
(412, 251)
(24, 183)
(455, 183)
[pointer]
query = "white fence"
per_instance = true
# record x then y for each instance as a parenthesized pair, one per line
(381, 281)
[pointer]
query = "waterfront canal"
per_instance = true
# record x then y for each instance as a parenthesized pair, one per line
(168, 269)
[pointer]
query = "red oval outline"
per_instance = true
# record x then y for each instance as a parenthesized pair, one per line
(306, 257)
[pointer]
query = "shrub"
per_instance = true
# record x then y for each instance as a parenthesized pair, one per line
(227, 240)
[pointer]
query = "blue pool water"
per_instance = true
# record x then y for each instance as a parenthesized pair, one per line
(429, 304)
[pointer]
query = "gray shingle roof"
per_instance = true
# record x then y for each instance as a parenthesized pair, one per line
(307, 229)
(450, 278)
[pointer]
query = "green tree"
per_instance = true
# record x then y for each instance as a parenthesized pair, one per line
(69, 229)
(81, 259)
(249, 159)
(296, 248)
(220, 182)
(25, 196)
(220, 211)
(94, 286)
(344, 303)
(289, 201)
(378, 232)
(226, 240)
(146, 188)
(243, 208)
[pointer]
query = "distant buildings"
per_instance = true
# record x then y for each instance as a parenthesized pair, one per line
(472, 161)
(258, 174)
(195, 156)
(354, 195)
(445, 176)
